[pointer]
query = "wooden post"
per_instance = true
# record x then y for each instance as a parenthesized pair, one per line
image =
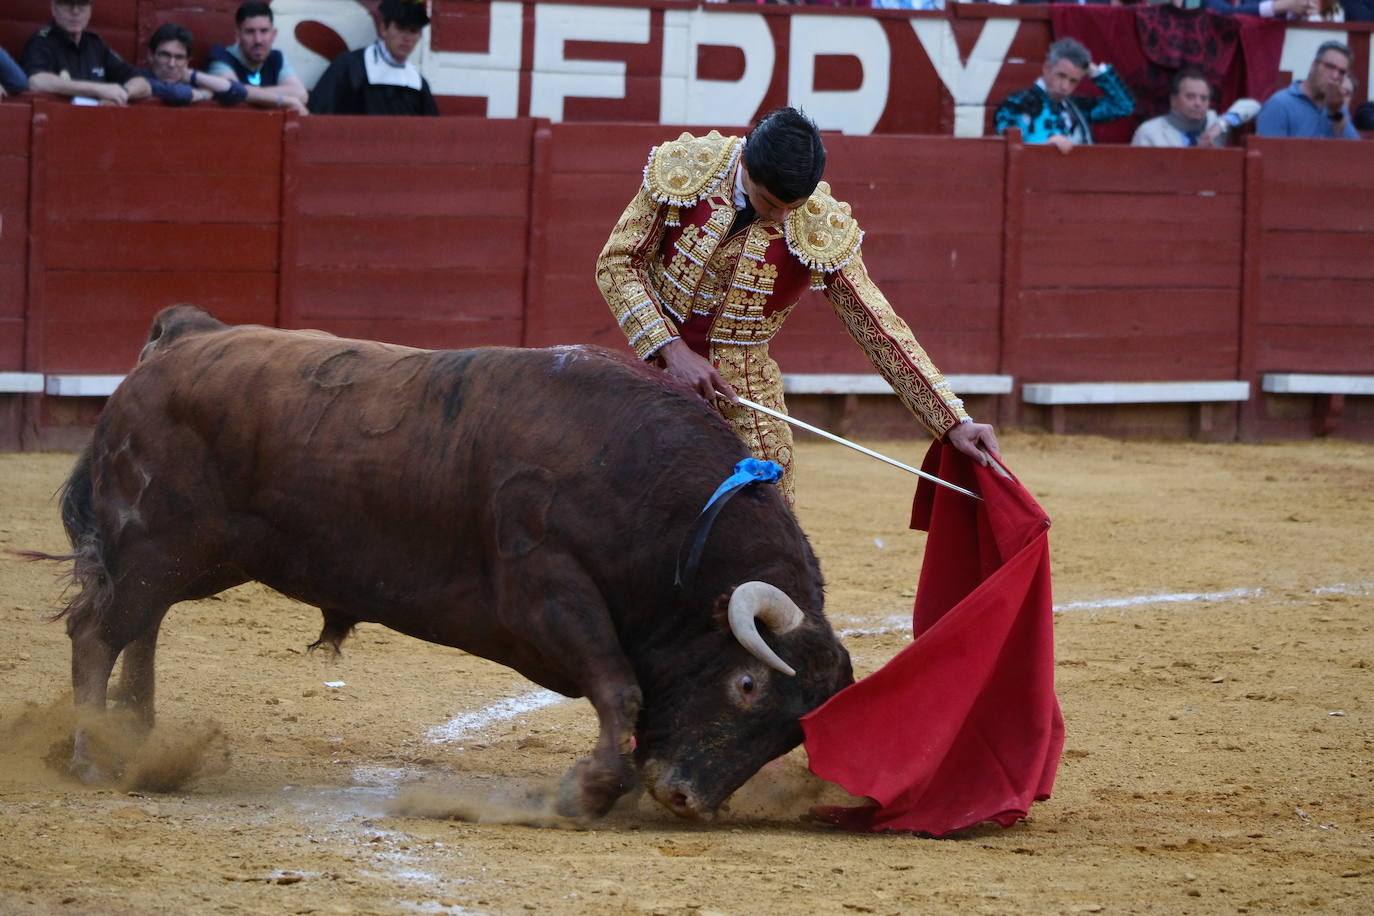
(1009, 339)
(1252, 238)
(288, 228)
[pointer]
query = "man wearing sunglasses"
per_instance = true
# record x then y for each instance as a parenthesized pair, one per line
(66, 58)
(252, 61)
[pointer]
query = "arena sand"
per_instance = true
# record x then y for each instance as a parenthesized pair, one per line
(1214, 649)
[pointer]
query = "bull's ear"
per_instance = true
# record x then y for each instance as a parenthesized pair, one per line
(720, 612)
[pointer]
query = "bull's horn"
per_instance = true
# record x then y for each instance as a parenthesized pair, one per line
(754, 601)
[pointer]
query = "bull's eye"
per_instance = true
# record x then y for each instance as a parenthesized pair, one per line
(746, 684)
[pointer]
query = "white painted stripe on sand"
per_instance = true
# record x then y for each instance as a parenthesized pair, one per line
(1169, 598)
(470, 723)
(902, 623)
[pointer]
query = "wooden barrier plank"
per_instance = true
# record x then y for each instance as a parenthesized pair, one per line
(1135, 217)
(11, 342)
(1134, 170)
(427, 189)
(135, 296)
(1334, 301)
(1128, 358)
(395, 242)
(113, 245)
(406, 142)
(1319, 256)
(1080, 313)
(1307, 185)
(193, 197)
(1104, 262)
(344, 294)
(1300, 348)
(154, 139)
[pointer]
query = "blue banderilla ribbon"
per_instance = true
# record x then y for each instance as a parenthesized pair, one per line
(747, 472)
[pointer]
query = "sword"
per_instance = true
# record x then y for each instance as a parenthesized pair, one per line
(855, 446)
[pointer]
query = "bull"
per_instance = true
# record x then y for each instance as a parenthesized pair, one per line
(526, 506)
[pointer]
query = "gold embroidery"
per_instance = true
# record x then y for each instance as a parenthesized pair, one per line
(754, 375)
(624, 273)
(683, 171)
(823, 233)
(890, 346)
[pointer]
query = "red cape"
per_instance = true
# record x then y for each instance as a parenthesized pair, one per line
(962, 726)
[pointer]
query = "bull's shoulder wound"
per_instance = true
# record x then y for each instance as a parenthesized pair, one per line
(682, 172)
(823, 233)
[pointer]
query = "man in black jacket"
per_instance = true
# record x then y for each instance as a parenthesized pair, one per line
(379, 79)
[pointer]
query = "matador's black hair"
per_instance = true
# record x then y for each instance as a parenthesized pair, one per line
(784, 153)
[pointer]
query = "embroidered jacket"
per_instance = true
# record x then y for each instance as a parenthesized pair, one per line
(672, 270)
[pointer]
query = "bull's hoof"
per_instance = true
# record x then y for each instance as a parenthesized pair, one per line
(86, 764)
(589, 791)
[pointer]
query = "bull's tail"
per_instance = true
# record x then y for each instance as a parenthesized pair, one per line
(89, 572)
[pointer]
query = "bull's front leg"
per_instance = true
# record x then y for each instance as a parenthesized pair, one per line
(594, 783)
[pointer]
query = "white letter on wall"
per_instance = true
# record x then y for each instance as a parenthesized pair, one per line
(553, 78)
(969, 85)
(495, 74)
(684, 98)
(854, 111)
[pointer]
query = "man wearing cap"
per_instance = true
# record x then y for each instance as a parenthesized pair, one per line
(715, 250)
(65, 58)
(379, 79)
(264, 71)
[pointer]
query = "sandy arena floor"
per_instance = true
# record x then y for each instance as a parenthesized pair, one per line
(1214, 653)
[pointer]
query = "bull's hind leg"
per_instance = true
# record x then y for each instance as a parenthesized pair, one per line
(135, 691)
(98, 638)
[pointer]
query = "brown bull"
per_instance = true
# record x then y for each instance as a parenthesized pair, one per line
(527, 506)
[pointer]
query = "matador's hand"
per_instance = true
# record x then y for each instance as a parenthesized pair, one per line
(967, 437)
(679, 361)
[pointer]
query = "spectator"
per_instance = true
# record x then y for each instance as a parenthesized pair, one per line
(1313, 107)
(170, 77)
(379, 79)
(12, 78)
(65, 58)
(711, 255)
(1191, 120)
(1048, 112)
(264, 71)
(1267, 9)
(1358, 10)
(1364, 115)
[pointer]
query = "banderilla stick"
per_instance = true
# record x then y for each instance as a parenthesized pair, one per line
(855, 446)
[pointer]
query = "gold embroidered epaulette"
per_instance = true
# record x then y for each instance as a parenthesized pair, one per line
(683, 171)
(823, 234)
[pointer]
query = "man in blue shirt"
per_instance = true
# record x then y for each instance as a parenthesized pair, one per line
(252, 61)
(1312, 107)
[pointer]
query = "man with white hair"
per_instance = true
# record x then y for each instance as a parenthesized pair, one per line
(1048, 112)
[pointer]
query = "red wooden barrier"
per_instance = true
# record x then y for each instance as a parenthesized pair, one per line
(931, 211)
(1130, 265)
(409, 229)
(1111, 264)
(140, 208)
(14, 223)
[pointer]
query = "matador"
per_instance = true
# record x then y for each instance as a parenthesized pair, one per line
(714, 252)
